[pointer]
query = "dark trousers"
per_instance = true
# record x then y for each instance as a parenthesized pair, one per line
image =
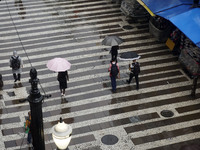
(17, 76)
(29, 137)
(113, 83)
(136, 79)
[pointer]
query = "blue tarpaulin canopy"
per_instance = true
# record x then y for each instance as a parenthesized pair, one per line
(180, 13)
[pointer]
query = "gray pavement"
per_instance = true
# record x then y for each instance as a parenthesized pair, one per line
(42, 30)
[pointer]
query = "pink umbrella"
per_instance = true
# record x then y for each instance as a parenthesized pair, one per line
(58, 65)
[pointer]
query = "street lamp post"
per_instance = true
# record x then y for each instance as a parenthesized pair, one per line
(35, 100)
(62, 135)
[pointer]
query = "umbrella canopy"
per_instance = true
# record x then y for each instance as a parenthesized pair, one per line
(58, 65)
(112, 41)
(180, 13)
(129, 56)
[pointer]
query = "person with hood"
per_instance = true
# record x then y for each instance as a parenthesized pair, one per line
(62, 79)
(16, 64)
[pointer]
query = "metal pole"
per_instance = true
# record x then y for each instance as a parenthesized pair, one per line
(35, 100)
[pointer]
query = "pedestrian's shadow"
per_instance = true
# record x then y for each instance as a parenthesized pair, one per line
(64, 100)
(17, 85)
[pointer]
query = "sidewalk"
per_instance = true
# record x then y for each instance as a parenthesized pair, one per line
(74, 30)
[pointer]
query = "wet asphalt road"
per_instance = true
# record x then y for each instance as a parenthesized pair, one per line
(42, 30)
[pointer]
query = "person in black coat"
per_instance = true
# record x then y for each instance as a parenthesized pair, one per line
(114, 52)
(62, 78)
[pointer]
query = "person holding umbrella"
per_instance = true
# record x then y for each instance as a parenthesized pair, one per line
(61, 66)
(62, 79)
(114, 52)
(135, 70)
(114, 42)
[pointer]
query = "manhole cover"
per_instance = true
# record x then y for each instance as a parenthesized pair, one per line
(109, 139)
(167, 113)
(127, 27)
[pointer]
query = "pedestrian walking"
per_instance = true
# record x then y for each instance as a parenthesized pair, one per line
(114, 73)
(16, 64)
(134, 71)
(114, 52)
(28, 127)
(63, 78)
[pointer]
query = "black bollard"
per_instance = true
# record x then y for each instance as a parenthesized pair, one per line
(35, 100)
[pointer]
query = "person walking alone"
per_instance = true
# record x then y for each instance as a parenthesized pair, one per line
(62, 78)
(16, 64)
(114, 73)
(114, 52)
(135, 70)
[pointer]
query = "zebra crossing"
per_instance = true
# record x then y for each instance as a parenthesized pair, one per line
(43, 29)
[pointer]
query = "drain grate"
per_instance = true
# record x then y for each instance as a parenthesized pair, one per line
(109, 139)
(167, 113)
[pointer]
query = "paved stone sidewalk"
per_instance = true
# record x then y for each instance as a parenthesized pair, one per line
(74, 30)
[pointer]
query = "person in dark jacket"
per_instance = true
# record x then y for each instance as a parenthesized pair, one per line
(62, 78)
(114, 52)
(114, 74)
(135, 70)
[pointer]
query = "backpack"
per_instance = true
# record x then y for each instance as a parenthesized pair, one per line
(28, 124)
(114, 70)
(136, 68)
(15, 63)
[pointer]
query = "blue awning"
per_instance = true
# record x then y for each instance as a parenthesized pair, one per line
(180, 13)
(189, 24)
(157, 6)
